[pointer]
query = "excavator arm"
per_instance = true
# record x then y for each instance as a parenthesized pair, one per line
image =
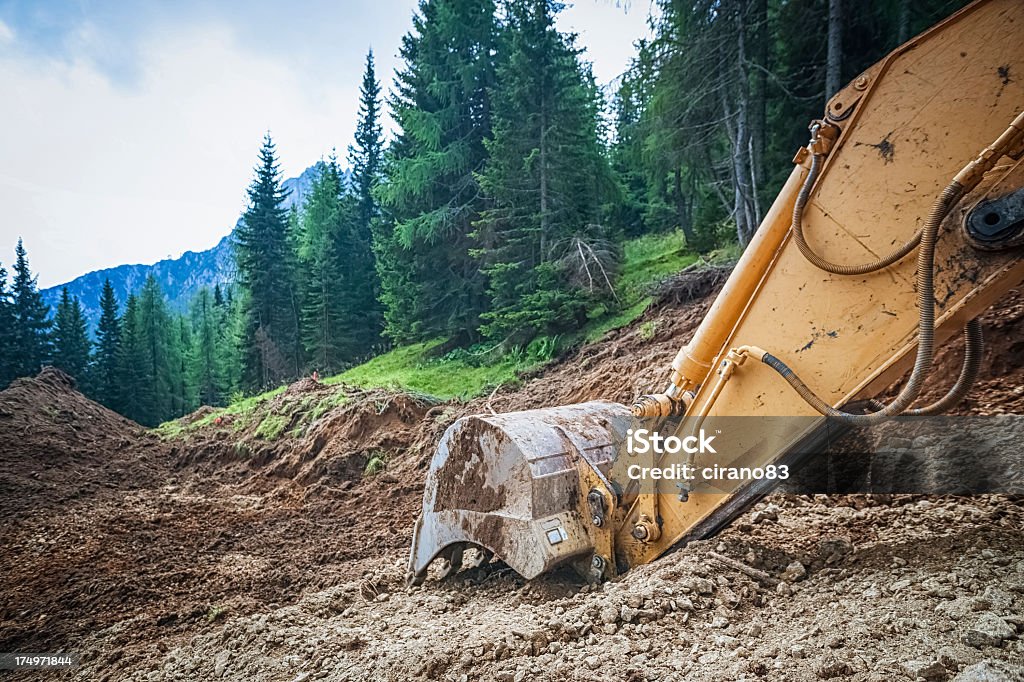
(901, 222)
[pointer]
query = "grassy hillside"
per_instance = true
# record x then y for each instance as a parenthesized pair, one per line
(466, 373)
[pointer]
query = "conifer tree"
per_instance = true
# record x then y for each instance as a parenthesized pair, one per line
(321, 252)
(207, 367)
(7, 337)
(70, 337)
(105, 379)
(156, 361)
(183, 399)
(430, 284)
(362, 292)
(31, 319)
(266, 272)
(135, 390)
(542, 246)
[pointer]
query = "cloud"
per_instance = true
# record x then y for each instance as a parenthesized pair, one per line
(133, 128)
(94, 173)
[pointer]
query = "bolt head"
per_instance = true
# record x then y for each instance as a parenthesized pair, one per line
(640, 532)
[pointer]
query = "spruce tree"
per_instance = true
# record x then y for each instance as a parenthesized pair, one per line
(105, 378)
(430, 284)
(321, 252)
(135, 388)
(541, 243)
(7, 336)
(207, 361)
(31, 319)
(266, 273)
(364, 321)
(70, 337)
(156, 361)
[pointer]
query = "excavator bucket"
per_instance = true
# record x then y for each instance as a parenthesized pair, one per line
(510, 485)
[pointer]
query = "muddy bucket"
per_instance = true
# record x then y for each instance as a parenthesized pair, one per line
(508, 485)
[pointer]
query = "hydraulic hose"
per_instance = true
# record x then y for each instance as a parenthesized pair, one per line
(973, 347)
(925, 333)
(814, 258)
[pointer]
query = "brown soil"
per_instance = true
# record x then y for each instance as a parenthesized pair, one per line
(259, 547)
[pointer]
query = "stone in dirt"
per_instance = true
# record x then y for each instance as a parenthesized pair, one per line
(988, 630)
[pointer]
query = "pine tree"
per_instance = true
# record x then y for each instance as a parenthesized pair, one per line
(183, 395)
(207, 361)
(430, 284)
(7, 337)
(70, 337)
(156, 361)
(542, 246)
(105, 378)
(365, 321)
(321, 253)
(266, 272)
(135, 388)
(31, 319)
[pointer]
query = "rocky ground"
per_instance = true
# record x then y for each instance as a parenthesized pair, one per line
(228, 549)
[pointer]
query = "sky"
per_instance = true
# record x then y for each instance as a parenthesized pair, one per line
(129, 130)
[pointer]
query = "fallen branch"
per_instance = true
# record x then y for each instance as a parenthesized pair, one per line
(760, 576)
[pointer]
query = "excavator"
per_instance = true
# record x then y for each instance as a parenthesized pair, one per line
(901, 223)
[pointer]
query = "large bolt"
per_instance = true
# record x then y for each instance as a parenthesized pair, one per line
(596, 520)
(861, 83)
(640, 532)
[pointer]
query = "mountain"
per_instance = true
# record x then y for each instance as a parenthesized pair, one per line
(181, 278)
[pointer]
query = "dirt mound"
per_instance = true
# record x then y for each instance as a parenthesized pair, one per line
(57, 445)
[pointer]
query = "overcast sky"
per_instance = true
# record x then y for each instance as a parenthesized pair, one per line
(129, 129)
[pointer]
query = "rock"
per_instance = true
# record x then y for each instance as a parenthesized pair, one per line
(702, 586)
(754, 630)
(833, 550)
(784, 590)
(958, 609)
(798, 651)
(988, 630)
(795, 571)
(609, 614)
(220, 663)
(932, 671)
(991, 671)
(769, 513)
(832, 667)
(628, 613)
(684, 604)
(592, 662)
(720, 622)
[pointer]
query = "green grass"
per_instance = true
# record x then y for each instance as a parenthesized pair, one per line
(414, 368)
(460, 375)
(272, 426)
(646, 261)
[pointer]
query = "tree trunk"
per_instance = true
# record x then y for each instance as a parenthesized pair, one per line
(834, 60)
(544, 220)
(683, 210)
(758, 27)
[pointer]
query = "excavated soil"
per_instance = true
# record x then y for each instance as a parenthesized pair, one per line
(272, 546)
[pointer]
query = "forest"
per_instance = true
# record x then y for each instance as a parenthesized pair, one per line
(494, 217)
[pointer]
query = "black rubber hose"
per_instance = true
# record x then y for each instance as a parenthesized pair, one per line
(925, 333)
(819, 262)
(974, 345)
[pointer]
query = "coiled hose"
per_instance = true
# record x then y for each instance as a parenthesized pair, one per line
(974, 345)
(928, 236)
(818, 261)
